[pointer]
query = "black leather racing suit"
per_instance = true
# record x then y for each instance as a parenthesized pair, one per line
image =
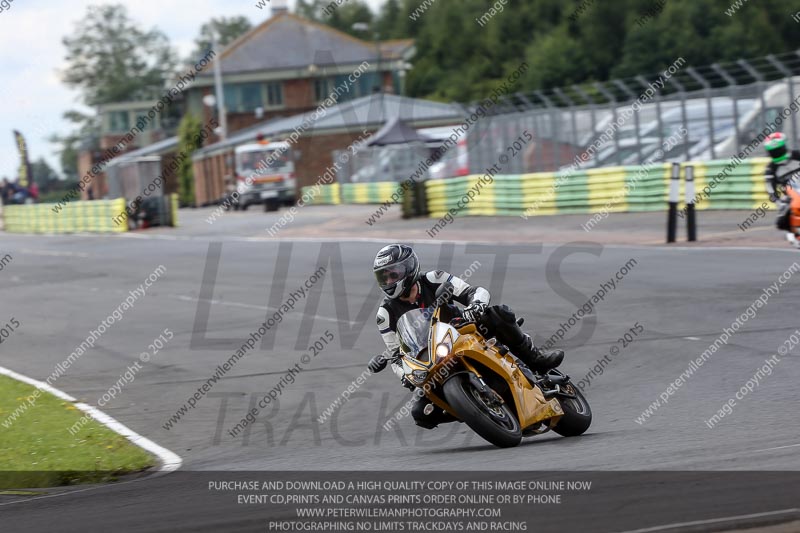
(498, 321)
(391, 310)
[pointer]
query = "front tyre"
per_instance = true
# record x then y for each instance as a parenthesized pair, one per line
(495, 423)
(577, 413)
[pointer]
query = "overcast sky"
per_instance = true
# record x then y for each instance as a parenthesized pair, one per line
(32, 98)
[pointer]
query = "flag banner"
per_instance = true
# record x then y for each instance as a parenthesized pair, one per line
(24, 173)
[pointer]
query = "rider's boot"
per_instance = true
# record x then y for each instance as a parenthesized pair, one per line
(782, 218)
(536, 358)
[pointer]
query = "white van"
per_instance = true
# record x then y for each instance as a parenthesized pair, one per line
(269, 168)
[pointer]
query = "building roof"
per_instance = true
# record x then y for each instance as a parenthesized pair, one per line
(159, 148)
(287, 41)
(395, 131)
(396, 48)
(368, 112)
(131, 105)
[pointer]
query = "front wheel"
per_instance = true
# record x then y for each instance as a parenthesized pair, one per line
(495, 423)
(577, 413)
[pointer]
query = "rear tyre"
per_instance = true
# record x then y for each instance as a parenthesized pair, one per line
(577, 414)
(496, 424)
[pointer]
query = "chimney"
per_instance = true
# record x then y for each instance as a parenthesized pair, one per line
(279, 7)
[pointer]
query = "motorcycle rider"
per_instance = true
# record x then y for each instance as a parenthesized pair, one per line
(397, 270)
(779, 171)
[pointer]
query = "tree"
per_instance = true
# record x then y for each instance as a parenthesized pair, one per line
(189, 131)
(227, 30)
(309, 9)
(575, 41)
(342, 17)
(43, 174)
(389, 23)
(86, 130)
(110, 59)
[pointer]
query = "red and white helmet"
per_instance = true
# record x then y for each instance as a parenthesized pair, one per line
(775, 145)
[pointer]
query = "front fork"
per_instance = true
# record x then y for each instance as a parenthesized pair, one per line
(477, 382)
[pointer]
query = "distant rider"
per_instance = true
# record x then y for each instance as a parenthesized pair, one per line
(779, 172)
(396, 268)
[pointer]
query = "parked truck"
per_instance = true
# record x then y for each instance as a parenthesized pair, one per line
(268, 167)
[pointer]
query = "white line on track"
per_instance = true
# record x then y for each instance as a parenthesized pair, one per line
(732, 519)
(657, 246)
(777, 448)
(169, 460)
(384, 240)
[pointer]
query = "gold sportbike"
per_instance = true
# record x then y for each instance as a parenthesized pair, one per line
(482, 384)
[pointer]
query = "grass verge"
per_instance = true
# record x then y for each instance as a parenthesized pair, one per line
(37, 450)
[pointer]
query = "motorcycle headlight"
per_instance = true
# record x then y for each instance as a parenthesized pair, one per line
(443, 350)
(419, 375)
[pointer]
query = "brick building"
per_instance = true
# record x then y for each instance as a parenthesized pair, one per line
(284, 67)
(289, 65)
(336, 130)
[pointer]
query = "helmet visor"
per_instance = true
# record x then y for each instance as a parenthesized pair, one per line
(779, 153)
(390, 275)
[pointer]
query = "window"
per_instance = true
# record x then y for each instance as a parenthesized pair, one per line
(274, 94)
(323, 87)
(348, 89)
(119, 121)
(149, 124)
(243, 98)
(247, 97)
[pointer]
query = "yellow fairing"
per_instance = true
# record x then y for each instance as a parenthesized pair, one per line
(531, 405)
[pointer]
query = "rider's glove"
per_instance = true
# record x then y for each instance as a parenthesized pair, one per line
(377, 363)
(474, 311)
(407, 384)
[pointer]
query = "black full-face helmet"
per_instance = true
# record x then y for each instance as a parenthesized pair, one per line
(396, 269)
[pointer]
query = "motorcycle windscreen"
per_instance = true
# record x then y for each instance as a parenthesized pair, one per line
(413, 329)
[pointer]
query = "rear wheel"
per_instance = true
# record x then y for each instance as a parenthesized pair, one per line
(494, 422)
(577, 413)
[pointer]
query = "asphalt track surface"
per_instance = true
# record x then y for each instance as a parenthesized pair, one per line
(61, 288)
